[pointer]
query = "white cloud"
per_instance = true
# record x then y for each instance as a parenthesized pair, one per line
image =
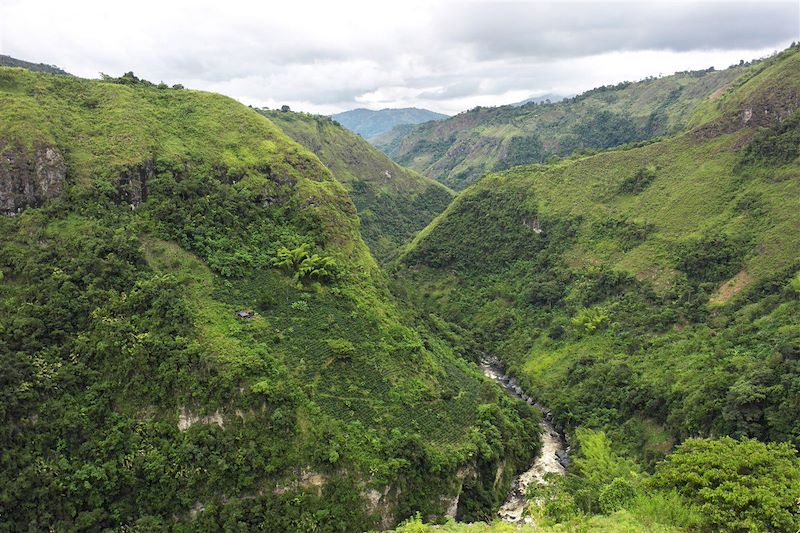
(444, 55)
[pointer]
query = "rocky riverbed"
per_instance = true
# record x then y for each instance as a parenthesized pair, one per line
(553, 457)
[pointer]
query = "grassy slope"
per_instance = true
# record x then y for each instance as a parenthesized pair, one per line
(393, 203)
(658, 313)
(457, 151)
(116, 321)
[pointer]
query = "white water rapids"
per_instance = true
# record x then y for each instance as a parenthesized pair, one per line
(547, 461)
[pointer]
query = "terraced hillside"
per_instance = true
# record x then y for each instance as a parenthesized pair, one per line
(194, 336)
(650, 294)
(393, 203)
(459, 150)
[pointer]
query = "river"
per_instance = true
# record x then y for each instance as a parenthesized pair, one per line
(552, 458)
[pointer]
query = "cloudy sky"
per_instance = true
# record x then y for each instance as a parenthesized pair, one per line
(447, 56)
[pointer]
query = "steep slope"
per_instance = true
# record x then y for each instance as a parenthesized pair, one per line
(652, 291)
(194, 336)
(8, 61)
(459, 150)
(370, 124)
(393, 203)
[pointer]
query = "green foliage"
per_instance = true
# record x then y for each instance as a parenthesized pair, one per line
(601, 480)
(712, 257)
(522, 150)
(794, 284)
(616, 495)
(739, 485)
(393, 203)
(777, 145)
(639, 181)
(694, 276)
(303, 265)
(132, 397)
(605, 129)
(590, 319)
(666, 508)
(459, 150)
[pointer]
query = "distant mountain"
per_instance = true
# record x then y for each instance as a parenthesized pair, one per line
(459, 150)
(8, 61)
(369, 123)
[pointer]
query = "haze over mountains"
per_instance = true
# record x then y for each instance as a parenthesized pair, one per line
(369, 124)
(217, 314)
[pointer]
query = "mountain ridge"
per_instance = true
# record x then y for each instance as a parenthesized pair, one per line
(393, 203)
(458, 150)
(369, 123)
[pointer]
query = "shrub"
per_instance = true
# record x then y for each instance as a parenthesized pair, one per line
(591, 319)
(639, 181)
(305, 265)
(616, 495)
(711, 258)
(742, 485)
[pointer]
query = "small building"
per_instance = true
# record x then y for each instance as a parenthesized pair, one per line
(244, 314)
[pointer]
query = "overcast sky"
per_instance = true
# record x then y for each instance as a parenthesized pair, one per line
(447, 56)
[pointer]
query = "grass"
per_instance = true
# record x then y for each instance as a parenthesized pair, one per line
(687, 273)
(459, 150)
(393, 202)
(128, 312)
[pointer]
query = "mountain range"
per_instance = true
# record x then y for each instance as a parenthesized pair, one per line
(214, 317)
(369, 124)
(459, 150)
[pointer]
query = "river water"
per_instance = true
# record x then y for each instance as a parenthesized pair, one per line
(551, 459)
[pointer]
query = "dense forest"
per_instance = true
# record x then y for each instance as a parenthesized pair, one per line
(216, 317)
(650, 297)
(194, 336)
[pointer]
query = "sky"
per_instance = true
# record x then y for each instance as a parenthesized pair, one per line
(447, 56)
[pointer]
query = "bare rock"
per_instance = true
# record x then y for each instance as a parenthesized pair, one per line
(29, 178)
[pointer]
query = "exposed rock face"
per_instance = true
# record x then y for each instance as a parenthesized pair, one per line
(132, 183)
(187, 419)
(28, 178)
(378, 503)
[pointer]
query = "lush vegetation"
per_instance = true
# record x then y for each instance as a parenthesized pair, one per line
(459, 150)
(133, 394)
(649, 292)
(194, 336)
(393, 203)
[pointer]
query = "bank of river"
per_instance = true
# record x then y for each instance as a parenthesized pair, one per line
(552, 458)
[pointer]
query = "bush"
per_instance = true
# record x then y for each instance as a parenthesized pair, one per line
(597, 471)
(711, 258)
(742, 485)
(591, 319)
(616, 495)
(304, 265)
(639, 181)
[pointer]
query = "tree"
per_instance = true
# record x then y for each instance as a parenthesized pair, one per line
(742, 485)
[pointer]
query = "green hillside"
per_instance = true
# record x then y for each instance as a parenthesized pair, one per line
(459, 150)
(8, 61)
(194, 336)
(651, 292)
(393, 203)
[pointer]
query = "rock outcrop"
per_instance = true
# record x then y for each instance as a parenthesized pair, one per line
(29, 177)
